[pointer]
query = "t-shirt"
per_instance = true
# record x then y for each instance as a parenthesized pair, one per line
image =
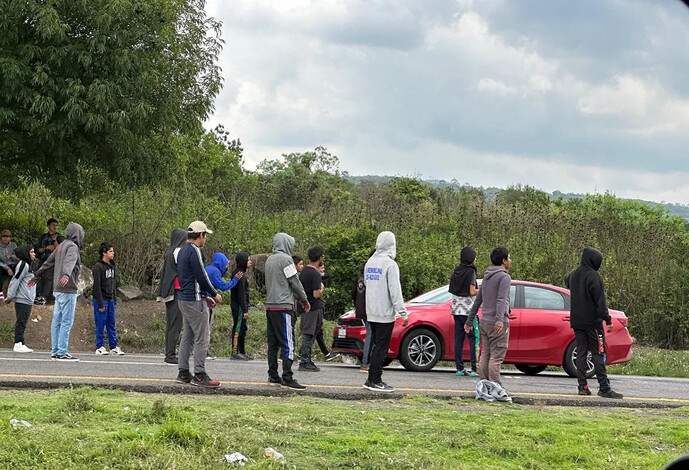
(311, 280)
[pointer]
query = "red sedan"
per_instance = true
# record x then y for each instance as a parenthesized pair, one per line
(540, 335)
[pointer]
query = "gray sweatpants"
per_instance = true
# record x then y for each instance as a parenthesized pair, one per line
(493, 351)
(195, 334)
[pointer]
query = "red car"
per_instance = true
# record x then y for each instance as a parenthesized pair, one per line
(540, 335)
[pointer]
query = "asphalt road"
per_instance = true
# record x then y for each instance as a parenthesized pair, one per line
(148, 373)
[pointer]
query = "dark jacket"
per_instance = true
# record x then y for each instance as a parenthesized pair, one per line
(166, 289)
(359, 297)
(194, 283)
(239, 294)
(104, 284)
(588, 308)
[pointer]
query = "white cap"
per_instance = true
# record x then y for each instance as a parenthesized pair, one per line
(198, 227)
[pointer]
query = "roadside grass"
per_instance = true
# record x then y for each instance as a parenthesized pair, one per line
(84, 429)
(651, 361)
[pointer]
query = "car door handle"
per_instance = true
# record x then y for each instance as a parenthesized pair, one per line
(512, 317)
(565, 318)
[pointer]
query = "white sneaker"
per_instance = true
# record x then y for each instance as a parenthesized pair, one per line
(102, 351)
(117, 350)
(22, 348)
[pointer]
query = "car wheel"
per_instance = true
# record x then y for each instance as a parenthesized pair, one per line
(530, 369)
(420, 350)
(569, 363)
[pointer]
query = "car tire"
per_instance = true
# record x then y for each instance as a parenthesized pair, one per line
(569, 364)
(420, 350)
(530, 369)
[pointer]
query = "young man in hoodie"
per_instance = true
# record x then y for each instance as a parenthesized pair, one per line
(168, 293)
(23, 293)
(216, 271)
(196, 295)
(239, 297)
(65, 263)
(588, 311)
(8, 260)
(282, 286)
(383, 302)
(104, 292)
(494, 328)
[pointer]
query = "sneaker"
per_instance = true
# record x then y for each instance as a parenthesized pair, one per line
(379, 387)
(53, 357)
(363, 369)
(610, 393)
(67, 358)
(472, 373)
(202, 380)
(237, 357)
(293, 384)
(102, 351)
(275, 382)
(2, 296)
(116, 350)
(309, 367)
(184, 377)
(247, 357)
(584, 390)
(22, 348)
(210, 357)
(331, 356)
(171, 360)
(461, 373)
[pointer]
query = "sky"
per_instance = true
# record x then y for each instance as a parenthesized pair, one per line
(582, 96)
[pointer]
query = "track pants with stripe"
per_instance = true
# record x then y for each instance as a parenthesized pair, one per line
(280, 332)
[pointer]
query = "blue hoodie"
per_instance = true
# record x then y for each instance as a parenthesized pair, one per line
(217, 270)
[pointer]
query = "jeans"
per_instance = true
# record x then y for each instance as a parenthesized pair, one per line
(63, 318)
(105, 320)
(460, 334)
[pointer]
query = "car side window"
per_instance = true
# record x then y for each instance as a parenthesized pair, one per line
(513, 295)
(543, 299)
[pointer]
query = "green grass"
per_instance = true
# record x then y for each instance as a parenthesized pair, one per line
(87, 429)
(650, 361)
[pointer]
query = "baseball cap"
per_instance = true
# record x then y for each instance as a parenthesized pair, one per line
(198, 227)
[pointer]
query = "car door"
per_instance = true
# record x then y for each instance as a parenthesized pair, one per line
(516, 302)
(543, 326)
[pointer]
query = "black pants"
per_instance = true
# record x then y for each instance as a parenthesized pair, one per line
(381, 333)
(241, 339)
(280, 333)
(460, 335)
(23, 311)
(5, 277)
(321, 342)
(44, 286)
(587, 341)
(310, 323)
(173, 327)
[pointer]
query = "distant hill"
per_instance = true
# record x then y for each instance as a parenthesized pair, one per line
(680, 210)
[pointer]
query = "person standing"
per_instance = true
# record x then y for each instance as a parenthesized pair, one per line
(64, 262)
(282, 286)
(383, 302)
(359, 298)
(8, 260)
(312, 321)
(463, 287)
(196, 295)
(494, 328)
(48, 243)
(168, 293)
(23, 293)
(104, 297)
(320, 339)
(588, 311)
(239, 302)
(216, 271)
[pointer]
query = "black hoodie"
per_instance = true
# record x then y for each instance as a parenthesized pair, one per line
(464, 275)
(588, 306)
(104, 284)
(166, 289)
(239, 294)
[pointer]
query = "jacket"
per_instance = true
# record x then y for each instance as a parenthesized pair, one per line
(19, 289)
(239, 295)
(588, 307)
(282, 282)
(104, 283)
(193, 280)
(166, 288)
(217, 270)
(7, 257)
(359, 297)
(494, 297)
(66, 260)
(382, 279)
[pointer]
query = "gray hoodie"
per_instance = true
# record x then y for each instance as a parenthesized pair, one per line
(493, 296)
(382, 279)
(19, 289)
(282, 282)
(66, 260)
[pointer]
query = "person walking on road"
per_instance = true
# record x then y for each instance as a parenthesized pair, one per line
(494, 327)
(23, 293)
(196, 295)
(168, 293)
(383, 302)
(104, 296)
(463, 287)
(588, 311)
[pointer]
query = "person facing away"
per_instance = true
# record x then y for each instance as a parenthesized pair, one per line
(494, 328)
(168, 293)
(383, 301)
(588, 311)
(240, 301)
(23, 293)
(104, 297)
(64, 263)
(282, 288)
(216, 271)
(464, 287)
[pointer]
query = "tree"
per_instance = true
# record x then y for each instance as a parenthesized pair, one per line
(104, 85)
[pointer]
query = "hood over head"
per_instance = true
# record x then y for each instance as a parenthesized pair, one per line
(22, 252)
(75, 232)
(467, 256)
(220, 261)
(591, 258)
(386, 245)
(178, 238)
(242, 259)
(283, 243)
(492, 271)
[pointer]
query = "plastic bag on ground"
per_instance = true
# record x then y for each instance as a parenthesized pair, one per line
(491, 391)
(236, 457)
(270, 452)
(16, 423)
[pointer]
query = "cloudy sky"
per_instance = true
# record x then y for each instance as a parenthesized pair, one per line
(578, 96)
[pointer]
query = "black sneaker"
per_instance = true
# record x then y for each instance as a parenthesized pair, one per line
(309, 367)
(379, 387)
(610, 393)
(238, 357)
(331, 356)
(293, 384)
(202, 380)
(171, 360)
(275, 382)
(247, 357)
(184, 377)
(67, 358)
(53, 357)
(584, 390)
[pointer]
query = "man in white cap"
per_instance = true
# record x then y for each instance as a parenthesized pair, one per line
(196, 294)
